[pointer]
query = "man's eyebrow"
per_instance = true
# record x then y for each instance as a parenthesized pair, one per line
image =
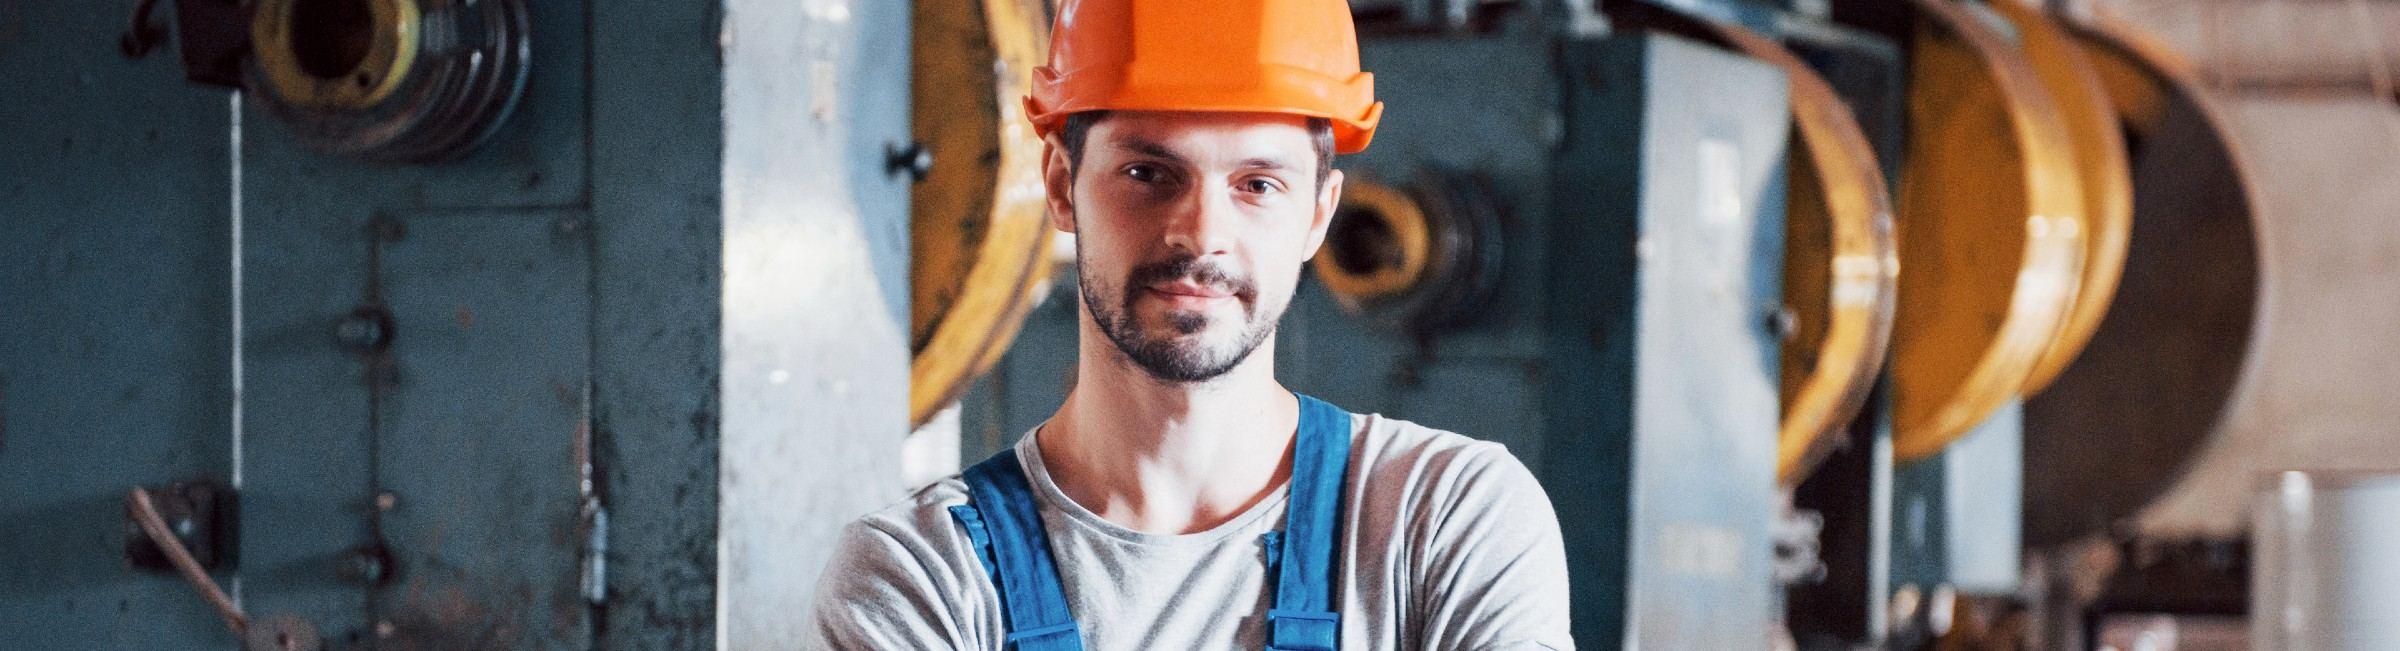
(1161, 152)
(1150, 149)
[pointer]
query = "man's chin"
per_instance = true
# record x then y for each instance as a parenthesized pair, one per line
(1184, 359)
(1169, 337)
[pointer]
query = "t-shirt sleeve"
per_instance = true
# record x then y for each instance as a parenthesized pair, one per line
(1496, 576)
(886, 589)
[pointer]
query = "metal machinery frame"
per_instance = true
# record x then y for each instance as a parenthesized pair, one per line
(551, 381)
(528, 358)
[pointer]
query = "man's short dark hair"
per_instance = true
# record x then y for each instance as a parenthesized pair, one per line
(1078, 128)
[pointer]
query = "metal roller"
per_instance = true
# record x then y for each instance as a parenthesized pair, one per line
(1425, 257)
(1839, 256)
(390, 80)
(979, 240)
(1377, 247)
(2100, 161)
(2153, 388)
(1991, 230)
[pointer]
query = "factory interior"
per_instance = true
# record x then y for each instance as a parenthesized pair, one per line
(589, 324)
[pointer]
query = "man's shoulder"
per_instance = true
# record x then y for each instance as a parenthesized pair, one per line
(1404, 457)
(906, 551)
(1388, 443)
(922, 517)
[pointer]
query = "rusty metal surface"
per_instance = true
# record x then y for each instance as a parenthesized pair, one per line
(476, 439)
(1991, 229)
(979, 234)
(452, 453)
(656, 123)
(421, 492)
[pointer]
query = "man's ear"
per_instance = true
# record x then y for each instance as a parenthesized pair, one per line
(1058, 181)
(1328, 199)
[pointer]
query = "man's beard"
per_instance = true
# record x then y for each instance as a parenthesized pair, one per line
(1170, 360)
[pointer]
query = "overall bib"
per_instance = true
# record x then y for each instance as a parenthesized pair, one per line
(1001, 519)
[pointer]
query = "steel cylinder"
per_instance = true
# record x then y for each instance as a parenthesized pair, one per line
(2325, 562)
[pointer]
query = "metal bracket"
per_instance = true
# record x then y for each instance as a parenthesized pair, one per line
(212, 36)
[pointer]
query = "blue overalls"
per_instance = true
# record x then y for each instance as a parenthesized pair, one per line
(1006, 527)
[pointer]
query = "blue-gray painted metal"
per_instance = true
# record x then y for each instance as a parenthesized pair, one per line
(480, 433)
(1487, 106)
(1853, 488)
(114, 324)
(562, 287)
(1662, 403)
(656, 116)
(1957, 515)
(470, 420)
(1986, 504)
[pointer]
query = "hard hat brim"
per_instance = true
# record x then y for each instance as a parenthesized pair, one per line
(1349, 103)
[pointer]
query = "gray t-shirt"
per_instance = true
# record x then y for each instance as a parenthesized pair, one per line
(1448, 543)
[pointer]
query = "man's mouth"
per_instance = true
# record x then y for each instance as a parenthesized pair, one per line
(1190, 296)
(1191, 289)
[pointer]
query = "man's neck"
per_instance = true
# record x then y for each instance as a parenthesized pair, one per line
(1165, 457)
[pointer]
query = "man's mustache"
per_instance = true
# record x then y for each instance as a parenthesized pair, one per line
(1193, 269)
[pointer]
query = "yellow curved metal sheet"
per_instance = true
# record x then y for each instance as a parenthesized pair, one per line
(978, 238)
(1838, 265)
(2101, 162)
(2163, 375)
(1991, 230)
(1410, 244)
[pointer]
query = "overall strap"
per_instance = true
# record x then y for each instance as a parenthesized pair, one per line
(1003, 521)
(1304, 556)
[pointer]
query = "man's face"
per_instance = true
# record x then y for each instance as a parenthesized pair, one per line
(1191, 229)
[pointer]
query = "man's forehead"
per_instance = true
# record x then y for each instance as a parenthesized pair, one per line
(1205, 133)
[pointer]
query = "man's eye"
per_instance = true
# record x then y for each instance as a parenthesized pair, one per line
(1260, 186)
(1145, 173)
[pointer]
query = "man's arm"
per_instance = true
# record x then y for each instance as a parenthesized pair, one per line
(1496, 574)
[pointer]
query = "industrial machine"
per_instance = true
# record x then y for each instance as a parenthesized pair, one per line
(459, 325)
(501, 324)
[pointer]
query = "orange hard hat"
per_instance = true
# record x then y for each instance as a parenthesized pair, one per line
(1273, 56)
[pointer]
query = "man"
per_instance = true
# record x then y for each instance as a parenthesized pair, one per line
(1181, 498)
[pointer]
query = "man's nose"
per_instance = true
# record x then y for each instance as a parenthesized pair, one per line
(1204, 223)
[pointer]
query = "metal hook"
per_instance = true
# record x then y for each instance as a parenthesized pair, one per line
(145, 513)
(141, 36)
